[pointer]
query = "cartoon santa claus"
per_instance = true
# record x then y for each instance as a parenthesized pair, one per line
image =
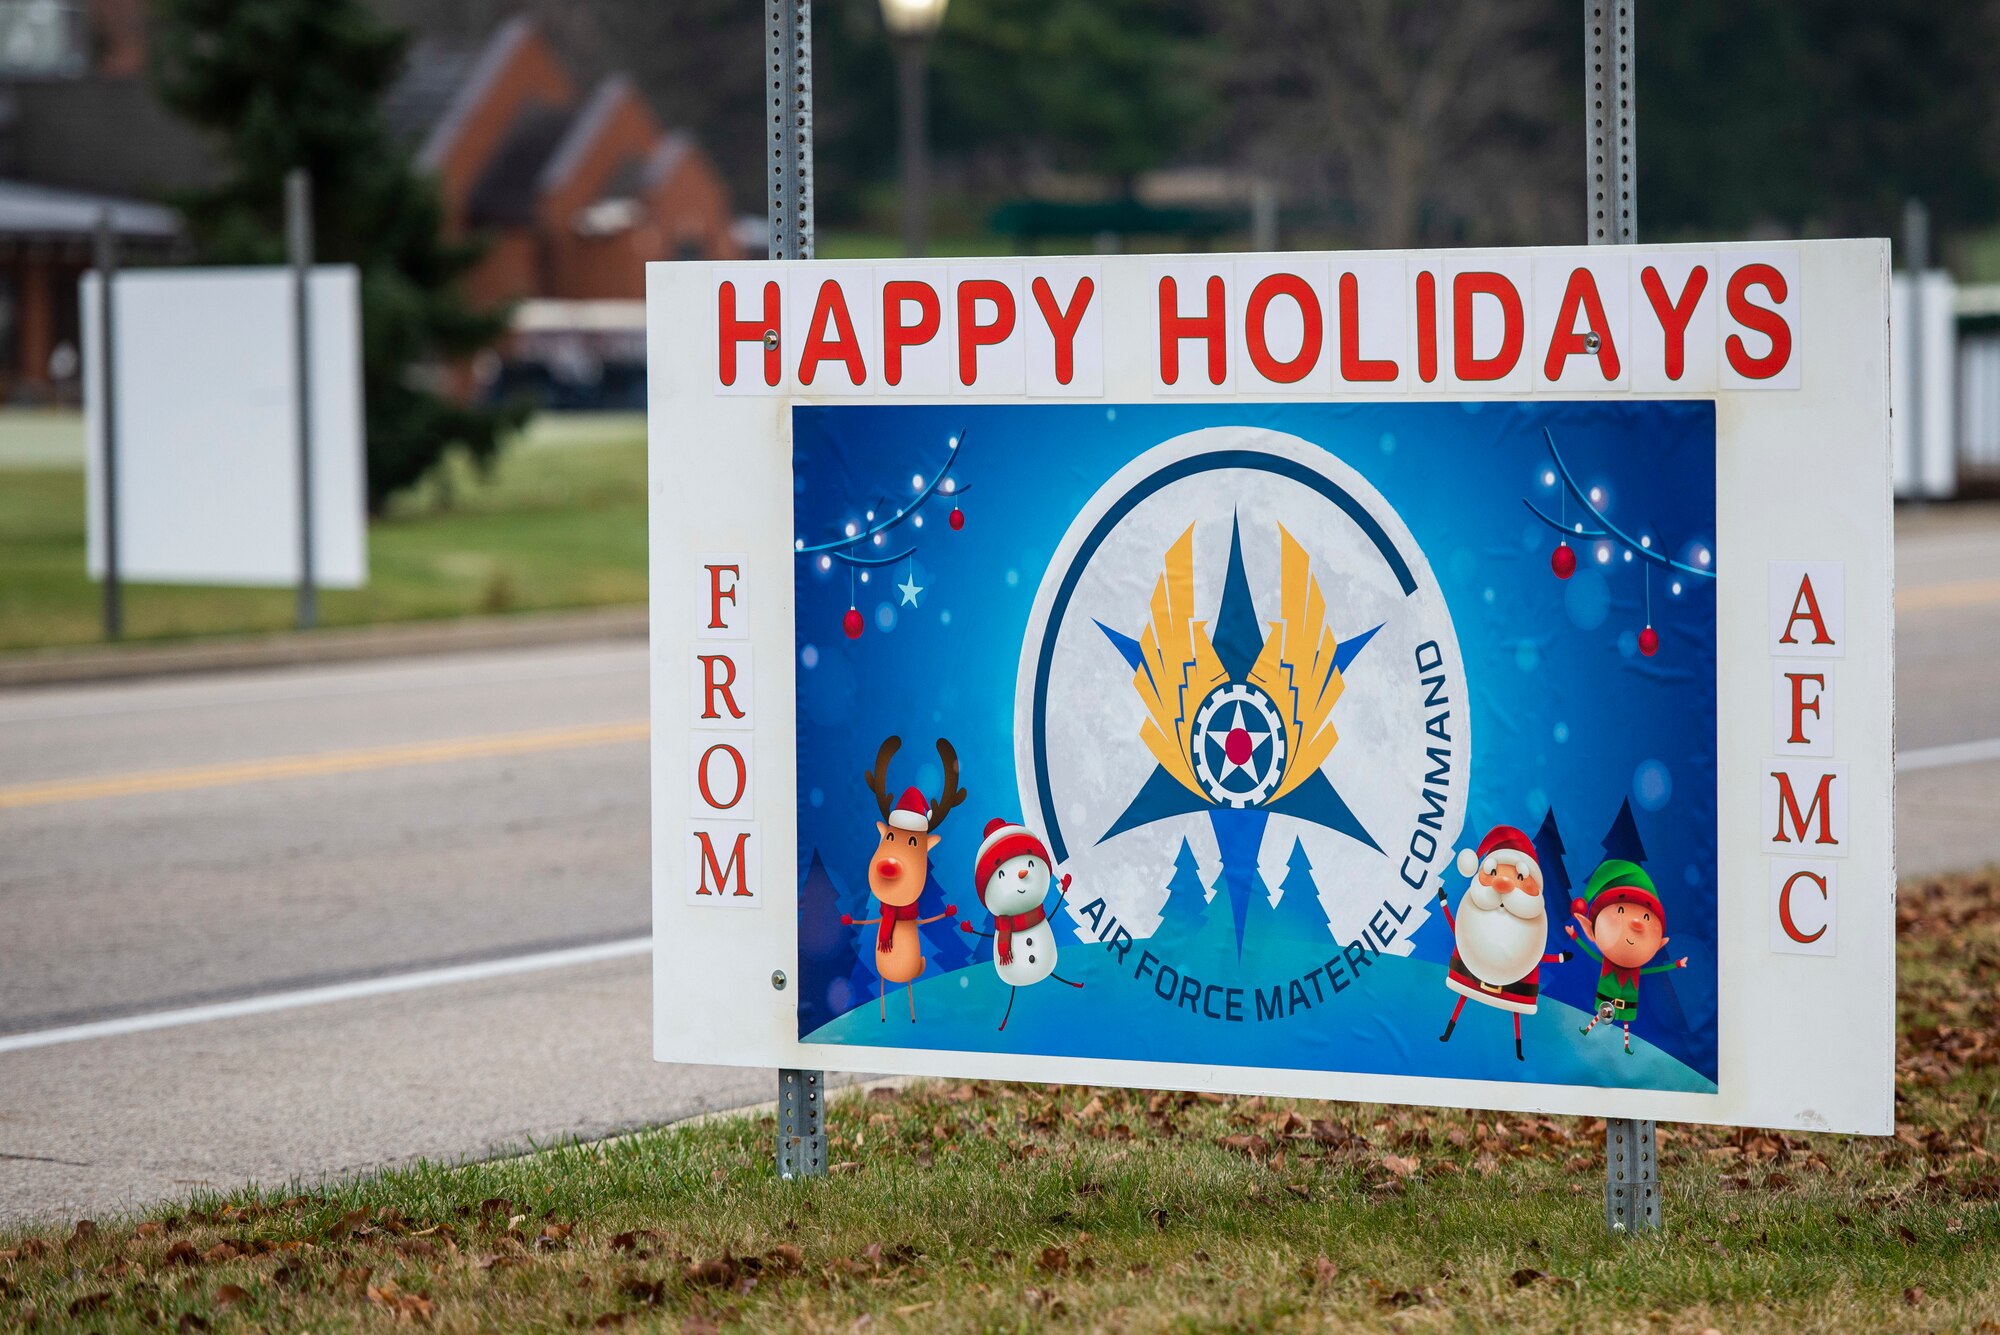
(1501, 931)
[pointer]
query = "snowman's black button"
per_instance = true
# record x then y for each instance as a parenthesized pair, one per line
(1031, 959)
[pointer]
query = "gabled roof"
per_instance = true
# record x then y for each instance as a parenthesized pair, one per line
(590, 122)
(509, 189)
(442, 84)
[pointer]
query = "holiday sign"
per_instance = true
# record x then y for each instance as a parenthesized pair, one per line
(1372, 676)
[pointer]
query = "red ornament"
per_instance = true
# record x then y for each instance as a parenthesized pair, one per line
(1649, 642)
(956, 519)
(851, 623)
(1563, 560)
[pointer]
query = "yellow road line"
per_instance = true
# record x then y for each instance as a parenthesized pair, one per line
(356, 761)
(1935, 597)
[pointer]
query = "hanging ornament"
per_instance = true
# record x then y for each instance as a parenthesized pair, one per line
(1649, 642)
(1563, 560)
(956, 519)
(851, 623)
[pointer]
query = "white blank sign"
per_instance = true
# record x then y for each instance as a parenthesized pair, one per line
(207, 430)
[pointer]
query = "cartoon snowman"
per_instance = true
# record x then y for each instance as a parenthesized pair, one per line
(1012, 872)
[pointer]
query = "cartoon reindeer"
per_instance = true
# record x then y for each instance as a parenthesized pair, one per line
(897, 872)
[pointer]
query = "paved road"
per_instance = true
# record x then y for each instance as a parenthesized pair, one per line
(233, 841)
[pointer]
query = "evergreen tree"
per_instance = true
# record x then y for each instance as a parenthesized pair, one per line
(947, 946)
(297, 83)
(1622, 841)
(1549, 853)
(1187, 902)
(827, 954)
(1301, 916)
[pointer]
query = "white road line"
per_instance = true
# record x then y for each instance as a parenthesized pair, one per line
(335, 992)
(1956, 753)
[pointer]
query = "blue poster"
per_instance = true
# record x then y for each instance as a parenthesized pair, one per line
(1373, 738)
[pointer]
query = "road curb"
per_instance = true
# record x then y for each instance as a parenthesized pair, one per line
(344, 645)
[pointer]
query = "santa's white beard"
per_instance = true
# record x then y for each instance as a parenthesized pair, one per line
(1498, 946)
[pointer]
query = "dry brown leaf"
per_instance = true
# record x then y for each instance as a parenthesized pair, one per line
(220, 1252)
(183, 1253)
(1052, 1260)
(89, 1302)
(1400, 1165)
(231, 1294)
(1324, 1272)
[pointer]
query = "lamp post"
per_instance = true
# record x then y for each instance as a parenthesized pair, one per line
(912, 24)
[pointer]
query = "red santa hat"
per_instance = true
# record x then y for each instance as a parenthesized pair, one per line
(913, 812)
(1005, 839)
(1502, 844)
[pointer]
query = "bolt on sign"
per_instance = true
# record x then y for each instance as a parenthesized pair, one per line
(1451, 677)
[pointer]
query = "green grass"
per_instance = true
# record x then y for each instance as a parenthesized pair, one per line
(975, 1206)
(561, 522)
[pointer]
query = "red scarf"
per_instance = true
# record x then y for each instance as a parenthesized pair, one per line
(1005, 925)
(885, 935)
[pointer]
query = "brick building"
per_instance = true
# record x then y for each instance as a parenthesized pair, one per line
(572, 190)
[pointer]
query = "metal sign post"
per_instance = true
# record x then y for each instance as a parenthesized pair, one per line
(299, 245)
(1631, 1157)
(789, 198)
(107, 271)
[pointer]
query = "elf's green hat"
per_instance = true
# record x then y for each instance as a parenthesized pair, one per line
(1617, 881)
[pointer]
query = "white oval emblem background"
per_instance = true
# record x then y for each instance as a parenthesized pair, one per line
(1096, 762)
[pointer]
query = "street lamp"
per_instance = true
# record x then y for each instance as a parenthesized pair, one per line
(912, 24)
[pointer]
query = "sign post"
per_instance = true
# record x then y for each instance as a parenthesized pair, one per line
(1631, 1155)
(299, 244)
(789, 199)
(107, 374)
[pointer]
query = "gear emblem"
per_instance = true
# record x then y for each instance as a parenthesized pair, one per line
(1238, 740)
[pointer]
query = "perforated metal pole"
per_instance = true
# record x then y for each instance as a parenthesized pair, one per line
(789, 197)
(1631, 1155)
(1611, 119)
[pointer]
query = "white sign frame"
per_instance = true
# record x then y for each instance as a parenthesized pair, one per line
(1803, 475)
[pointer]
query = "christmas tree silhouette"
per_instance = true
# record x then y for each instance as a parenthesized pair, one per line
(1549, 852)
(827, 951)
(1300, 914)
(1623, 839)
(945, 945)
(1187, 902)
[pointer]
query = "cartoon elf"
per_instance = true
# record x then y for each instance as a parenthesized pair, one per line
(1624, 927)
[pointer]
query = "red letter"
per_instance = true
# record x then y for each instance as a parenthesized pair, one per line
(1801, 705)
(972, 335)
(1765, 321)
(716, 594)
(742, 776)
(1512, 329)
(1174, 327)
(712, 687)
(844, 347)
(1063, 323)
(1566, 342)
(1261, 296)
(1674, 315)
(1805, 607)
(711, 867)
(1788, 802)
(1353, 366)
(1785, 907)
(1427, 327)
(730, 331)
(895, 334)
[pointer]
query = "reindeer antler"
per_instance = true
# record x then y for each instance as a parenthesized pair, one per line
(877, 779)
(952, 794)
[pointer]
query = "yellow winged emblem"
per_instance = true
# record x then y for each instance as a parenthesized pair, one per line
(1178, 666)
(1297, 666)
